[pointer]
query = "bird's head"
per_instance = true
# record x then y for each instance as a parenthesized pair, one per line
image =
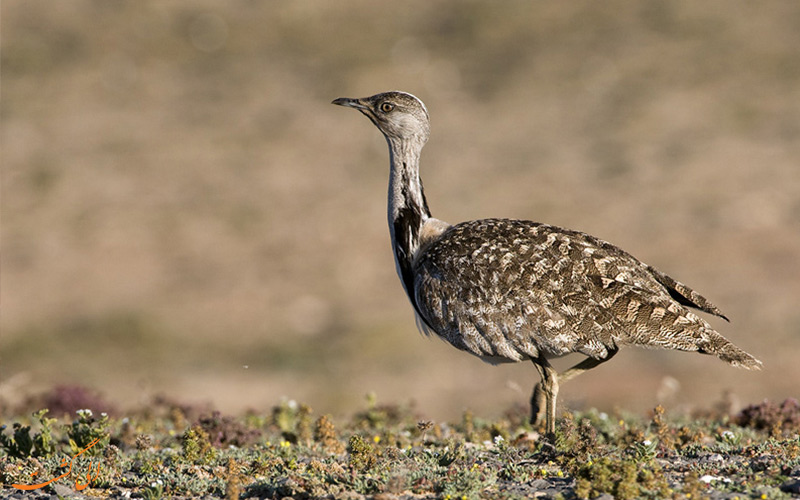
(399, 115)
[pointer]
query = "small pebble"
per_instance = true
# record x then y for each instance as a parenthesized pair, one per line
(712, 457)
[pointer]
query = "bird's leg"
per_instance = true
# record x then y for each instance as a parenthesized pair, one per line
(537, 404)
(538, 400)
(547, 389)
(586, 364)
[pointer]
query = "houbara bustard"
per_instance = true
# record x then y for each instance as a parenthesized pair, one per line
(510, 290)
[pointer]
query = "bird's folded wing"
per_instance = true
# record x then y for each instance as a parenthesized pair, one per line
(514, 289)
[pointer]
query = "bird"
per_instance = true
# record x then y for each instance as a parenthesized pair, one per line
(510, 290)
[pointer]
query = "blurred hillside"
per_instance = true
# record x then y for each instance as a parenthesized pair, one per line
(183, 211)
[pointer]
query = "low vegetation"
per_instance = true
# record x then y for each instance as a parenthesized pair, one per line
(386, 452)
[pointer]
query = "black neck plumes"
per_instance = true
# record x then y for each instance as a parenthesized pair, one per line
(408, 208)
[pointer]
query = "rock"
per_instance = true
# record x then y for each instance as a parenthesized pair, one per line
(791, 486)
(65, 491)
(539, 484)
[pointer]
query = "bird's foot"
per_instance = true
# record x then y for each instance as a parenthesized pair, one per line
(547, 445)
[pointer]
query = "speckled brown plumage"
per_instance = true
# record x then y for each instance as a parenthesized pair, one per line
(510, 290)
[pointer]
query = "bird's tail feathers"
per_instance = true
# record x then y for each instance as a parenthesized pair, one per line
(728, 352)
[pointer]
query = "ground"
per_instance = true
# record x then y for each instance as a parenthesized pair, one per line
(386, 452)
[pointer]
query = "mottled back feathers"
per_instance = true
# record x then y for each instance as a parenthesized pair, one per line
(506, 290)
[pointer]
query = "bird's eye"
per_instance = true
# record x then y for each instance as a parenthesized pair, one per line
(386, 107)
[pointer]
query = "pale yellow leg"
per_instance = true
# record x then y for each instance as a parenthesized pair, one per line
(547, 390)
(545, 393)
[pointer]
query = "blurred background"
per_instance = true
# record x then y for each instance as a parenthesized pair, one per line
(184, 213)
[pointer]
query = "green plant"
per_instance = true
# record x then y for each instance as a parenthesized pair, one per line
(729, 439)
(303, 428)
(85, 430)
(20, 444)
(196, 446)
(644, 451)
(154, 491)
(43, 440)
(625, 479)
(362, 456)
(466, 482)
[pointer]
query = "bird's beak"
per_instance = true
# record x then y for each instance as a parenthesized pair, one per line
(350, 103)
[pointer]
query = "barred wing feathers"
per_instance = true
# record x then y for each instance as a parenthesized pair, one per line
(506, 290)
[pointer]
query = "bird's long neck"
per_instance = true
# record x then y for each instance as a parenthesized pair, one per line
(408, 209)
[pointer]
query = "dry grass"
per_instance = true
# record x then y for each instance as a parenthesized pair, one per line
(184, 212)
